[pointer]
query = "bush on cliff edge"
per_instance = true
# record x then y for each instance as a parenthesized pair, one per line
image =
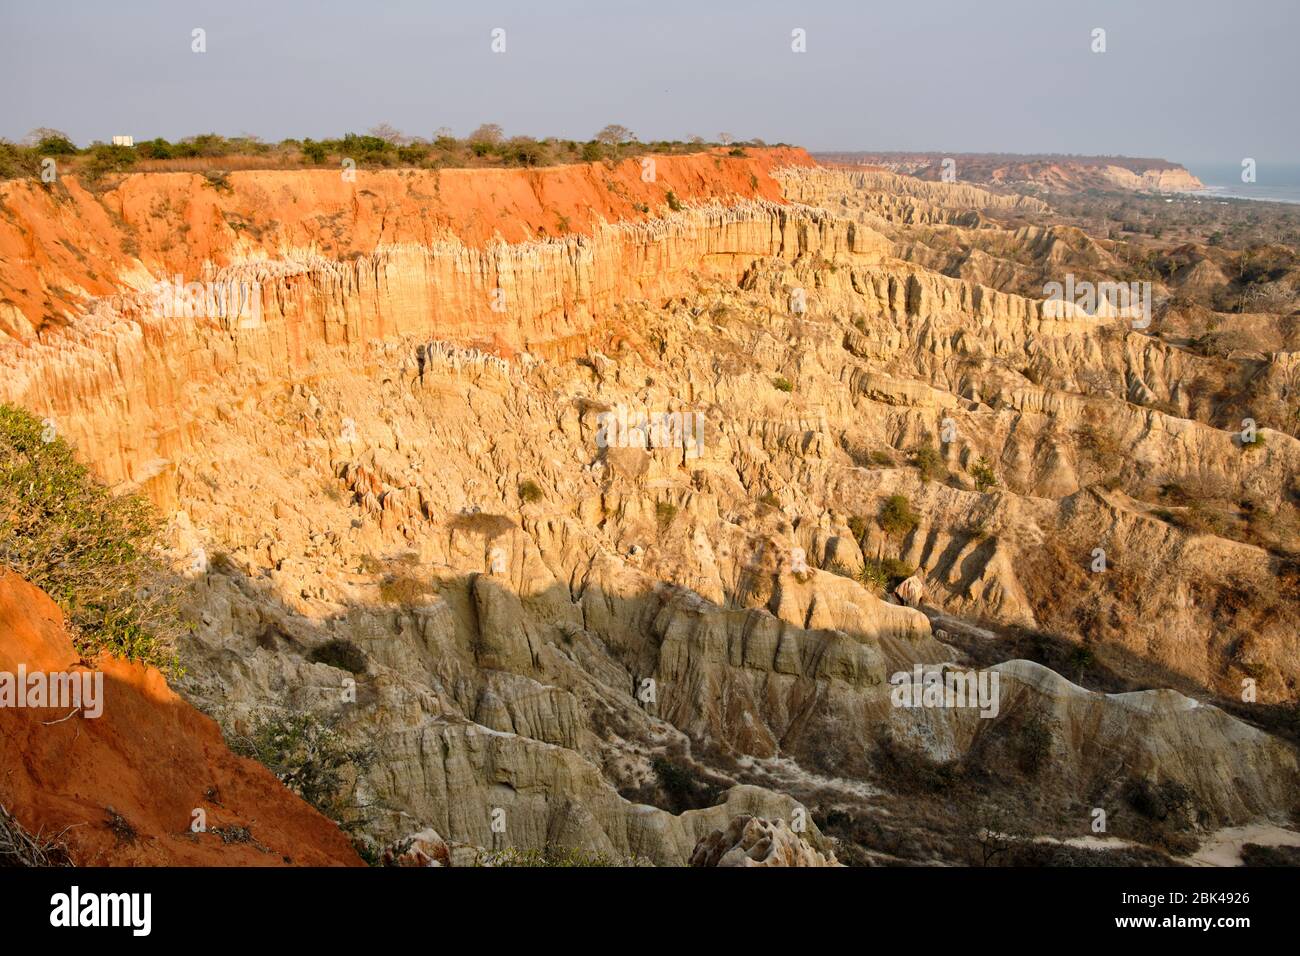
(88, 549)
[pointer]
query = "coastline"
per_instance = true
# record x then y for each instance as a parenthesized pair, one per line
(1222, 192)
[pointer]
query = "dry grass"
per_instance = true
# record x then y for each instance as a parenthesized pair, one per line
(18, 847)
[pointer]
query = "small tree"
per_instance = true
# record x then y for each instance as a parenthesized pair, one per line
(389, 134)
(928, 461)
(44, 134)
(489, 133)
(983, 474)
(615, 135)
(313, 151)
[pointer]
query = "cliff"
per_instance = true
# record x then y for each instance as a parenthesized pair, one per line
(1053, 172)
(462, 255)
(63, 246)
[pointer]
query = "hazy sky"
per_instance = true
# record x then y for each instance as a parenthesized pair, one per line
(1188, 80)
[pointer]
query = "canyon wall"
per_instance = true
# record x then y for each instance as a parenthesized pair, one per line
(126, 382)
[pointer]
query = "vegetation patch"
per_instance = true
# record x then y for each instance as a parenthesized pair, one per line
(896, 517)
(18, 847)
(927, 460)
(309, 756)
(92, 551)
(530, 492)
(985, 478)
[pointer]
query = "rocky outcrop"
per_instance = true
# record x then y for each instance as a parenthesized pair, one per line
(749, 841)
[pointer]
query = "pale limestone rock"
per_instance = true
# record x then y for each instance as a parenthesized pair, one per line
(750, 841)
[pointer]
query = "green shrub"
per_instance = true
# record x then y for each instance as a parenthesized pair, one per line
(313, 152)
(92, 551)
(782, 384)
(525, 152)
(665, 512)
(16, 161)
(156, 148)
(896, 516)
(926, 458)
(873, 577)
(882, 575)
(308, 755)
(858, 525)
(109, 159)
(674, 203)
(530, 492)
(896, 570)
(56, 146)
(983, 474)
(413, 154)
(682, 785)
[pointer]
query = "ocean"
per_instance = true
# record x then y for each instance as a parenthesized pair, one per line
(1274, 182)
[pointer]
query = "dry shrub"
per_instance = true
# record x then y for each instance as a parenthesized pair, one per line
(18, 847)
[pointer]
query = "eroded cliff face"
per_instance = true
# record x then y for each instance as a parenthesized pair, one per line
(64, 245)
(1054, 173)
(153, 371)
(563, 616)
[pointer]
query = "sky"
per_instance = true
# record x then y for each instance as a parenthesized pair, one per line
(1187, 80)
